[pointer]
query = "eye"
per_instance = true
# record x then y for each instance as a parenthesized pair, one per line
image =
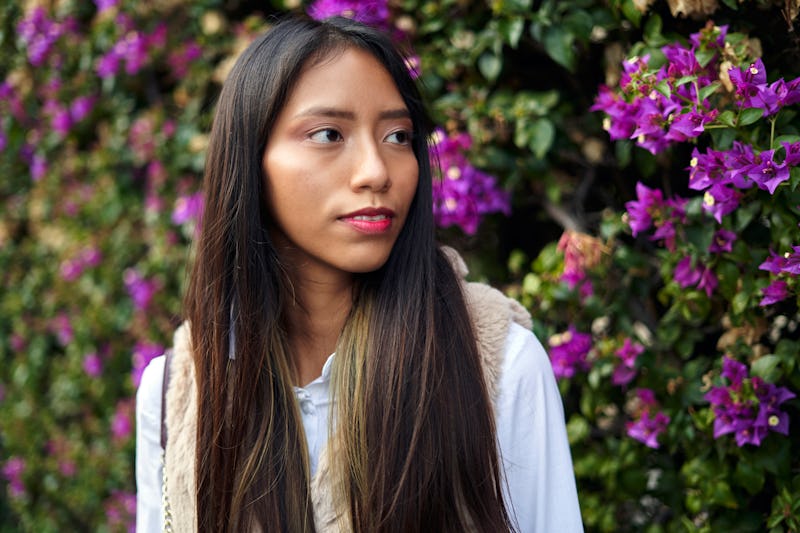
(326, 136)
(402, 137)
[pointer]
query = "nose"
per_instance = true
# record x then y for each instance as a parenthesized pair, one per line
(370, 171)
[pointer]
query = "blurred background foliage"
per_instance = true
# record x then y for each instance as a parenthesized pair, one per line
(104, 112)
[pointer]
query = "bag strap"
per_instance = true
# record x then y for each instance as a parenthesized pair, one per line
(164, 385)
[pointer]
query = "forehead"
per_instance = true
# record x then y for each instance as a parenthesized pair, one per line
(347, 76)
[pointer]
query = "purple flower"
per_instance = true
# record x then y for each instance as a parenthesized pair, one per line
(105, 5)
(774, 292)
(625, 371)
(93, 365)
(62, 327)
(39, 34)
(464, 194)
(708, 281)
(689, 125)
(180, 60)
(38, 167)
(61, 121)
(770, 398)
(774, 263)
(647, 429)
(371, 12)
(72, 268)
(80, 107)
(108, 65)
(121, 424)
(748, 81)
(685, 274)
(143, 353)
(747, 407)
(722, 241)
(733, 371)
(12, 471)
(640, 211)
(120, 510)
(188, 208)
(720, 200)
(792, 158)
(766, 173)
(140, 289)
(620, 122)
(569, 351)
(792, 265)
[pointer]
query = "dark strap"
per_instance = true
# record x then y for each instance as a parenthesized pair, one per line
(164, 385)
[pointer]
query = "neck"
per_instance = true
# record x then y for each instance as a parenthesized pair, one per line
(314, 320)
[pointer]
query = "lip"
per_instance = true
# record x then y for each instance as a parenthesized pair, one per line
(370, 220)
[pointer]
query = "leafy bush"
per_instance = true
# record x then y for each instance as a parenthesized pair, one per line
(659, 257)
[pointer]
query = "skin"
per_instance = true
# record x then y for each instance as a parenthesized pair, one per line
(340, 144)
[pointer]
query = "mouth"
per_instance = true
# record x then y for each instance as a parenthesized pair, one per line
(370, 221)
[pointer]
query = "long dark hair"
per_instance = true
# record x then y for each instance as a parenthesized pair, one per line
(415, 447)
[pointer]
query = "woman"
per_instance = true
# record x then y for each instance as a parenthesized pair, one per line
(334, 373)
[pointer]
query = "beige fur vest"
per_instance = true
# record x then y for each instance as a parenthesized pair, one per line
(492, 314)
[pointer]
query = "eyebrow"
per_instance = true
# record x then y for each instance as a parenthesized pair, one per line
(334, 112)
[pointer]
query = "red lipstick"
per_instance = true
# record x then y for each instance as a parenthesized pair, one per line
(371, 220)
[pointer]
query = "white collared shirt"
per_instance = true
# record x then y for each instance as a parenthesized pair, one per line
(540, 483)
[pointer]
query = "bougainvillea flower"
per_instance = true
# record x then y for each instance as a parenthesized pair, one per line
(140, 289)
(568, 352)
(722, 241)
(647, 429)
(464, 194)
(747, 82)
(767, 173)
(792, 264)
(685, 274)
(640, 210)
(774, 292)
(775, 263)
(720, 200)
(689, 125)
(708, 281)
(625, 371)
(733, 371)
(370, 12)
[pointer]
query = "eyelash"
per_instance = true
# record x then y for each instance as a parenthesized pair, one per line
(327, 140)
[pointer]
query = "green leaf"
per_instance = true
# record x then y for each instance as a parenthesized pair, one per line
(740, 302)
(704, 57)
(750, 115)
(684, 80)
(652, 30)
(490, 65)
(766, 367)
(512, 30)
(708, 90)
(749, 476)
(558, 44)
(784, 139)
(700, 236)
(664, 88)
(727, 118)
(542, 134)
(631, 12)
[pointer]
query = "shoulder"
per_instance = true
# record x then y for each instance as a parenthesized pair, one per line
(524, 356)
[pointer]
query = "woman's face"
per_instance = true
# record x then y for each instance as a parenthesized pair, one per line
(339, 168)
